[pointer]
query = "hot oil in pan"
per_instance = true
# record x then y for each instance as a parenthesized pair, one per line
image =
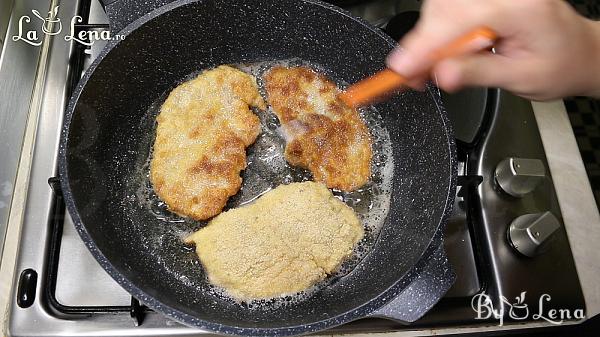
(267, 169)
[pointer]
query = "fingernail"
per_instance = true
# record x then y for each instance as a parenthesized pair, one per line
(401, 62)
(481, 43)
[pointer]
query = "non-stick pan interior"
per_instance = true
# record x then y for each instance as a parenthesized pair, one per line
(109, 124)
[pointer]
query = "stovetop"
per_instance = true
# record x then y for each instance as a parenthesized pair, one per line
(60, 290)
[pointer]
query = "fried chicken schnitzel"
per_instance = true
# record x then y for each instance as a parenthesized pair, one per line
(325, 136)
(204, 127)
(284, 242)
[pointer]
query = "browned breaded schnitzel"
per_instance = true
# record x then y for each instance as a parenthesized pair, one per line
(325, 136)
(204, 127)
(286, 241)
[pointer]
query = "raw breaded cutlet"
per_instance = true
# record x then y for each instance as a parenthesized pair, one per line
(324, 135)
(284, 242)
(204, 127)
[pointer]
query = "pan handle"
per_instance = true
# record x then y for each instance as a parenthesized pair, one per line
(430, 285)
(123, 12)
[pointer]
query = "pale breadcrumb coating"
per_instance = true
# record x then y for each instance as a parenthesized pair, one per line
(286, 241)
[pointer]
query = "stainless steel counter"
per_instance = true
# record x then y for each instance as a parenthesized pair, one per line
(19, 64)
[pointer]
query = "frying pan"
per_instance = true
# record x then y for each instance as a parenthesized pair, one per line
(107, 127)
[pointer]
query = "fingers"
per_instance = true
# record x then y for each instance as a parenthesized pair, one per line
(484, 69)
(443, 22)
(417, 48)
(544, 49)
(414, 57)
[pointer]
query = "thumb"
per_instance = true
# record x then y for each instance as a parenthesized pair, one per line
(484, 69)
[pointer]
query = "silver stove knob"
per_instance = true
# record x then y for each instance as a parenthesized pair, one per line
(519, 176)
(530, 233)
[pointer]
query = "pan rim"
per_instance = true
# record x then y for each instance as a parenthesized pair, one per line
(358, 312)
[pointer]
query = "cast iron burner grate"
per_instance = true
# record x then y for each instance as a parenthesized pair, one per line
(136, 309)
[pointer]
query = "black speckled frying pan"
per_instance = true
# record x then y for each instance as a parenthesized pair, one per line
(106, 128)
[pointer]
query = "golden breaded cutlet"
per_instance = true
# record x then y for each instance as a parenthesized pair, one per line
(204, 127)
(325, 136)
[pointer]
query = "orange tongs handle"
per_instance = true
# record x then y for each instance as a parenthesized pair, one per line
(367, 90)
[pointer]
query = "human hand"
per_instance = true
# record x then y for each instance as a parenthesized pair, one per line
(544, 50)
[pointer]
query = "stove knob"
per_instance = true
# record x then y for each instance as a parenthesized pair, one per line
(519, 176)
(530, 233)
